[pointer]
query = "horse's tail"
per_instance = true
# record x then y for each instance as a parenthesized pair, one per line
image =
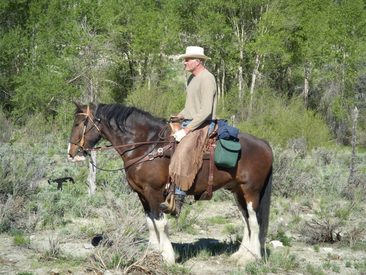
(264, 208)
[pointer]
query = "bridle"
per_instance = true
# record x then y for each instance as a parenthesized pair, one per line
(80, 143)
(149, 156)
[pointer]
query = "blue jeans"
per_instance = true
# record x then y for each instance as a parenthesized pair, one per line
(184, 124)
(210, 129)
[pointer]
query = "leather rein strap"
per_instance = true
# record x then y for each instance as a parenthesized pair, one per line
(150, 156)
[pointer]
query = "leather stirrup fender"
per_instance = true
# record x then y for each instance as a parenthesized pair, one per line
(207, 195)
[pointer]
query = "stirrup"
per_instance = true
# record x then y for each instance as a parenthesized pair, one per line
(170, 201)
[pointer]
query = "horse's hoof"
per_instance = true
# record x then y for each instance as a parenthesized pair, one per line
(241, 259)
(235, 257)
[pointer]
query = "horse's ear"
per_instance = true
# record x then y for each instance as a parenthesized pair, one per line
(79, 106)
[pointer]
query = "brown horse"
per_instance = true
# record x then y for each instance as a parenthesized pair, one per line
(135, 134)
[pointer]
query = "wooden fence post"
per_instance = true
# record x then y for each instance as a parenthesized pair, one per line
(92, 178)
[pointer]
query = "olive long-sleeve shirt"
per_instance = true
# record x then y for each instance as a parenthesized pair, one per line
(201, 99)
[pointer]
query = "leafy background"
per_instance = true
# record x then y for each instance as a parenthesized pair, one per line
(291, 72)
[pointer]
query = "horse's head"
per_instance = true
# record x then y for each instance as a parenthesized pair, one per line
(85, 132)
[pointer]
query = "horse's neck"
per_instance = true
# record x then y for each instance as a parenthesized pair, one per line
(132, 142)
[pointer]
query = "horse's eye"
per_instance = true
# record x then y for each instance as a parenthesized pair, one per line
(76, 125)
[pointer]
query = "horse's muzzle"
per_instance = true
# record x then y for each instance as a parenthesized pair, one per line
(75, 157)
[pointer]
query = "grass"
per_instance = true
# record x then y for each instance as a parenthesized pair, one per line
(306, 202)
(62, 263)
(178, 269)
(314, 271)
(21, 240)
(218, 220)
(229, 229)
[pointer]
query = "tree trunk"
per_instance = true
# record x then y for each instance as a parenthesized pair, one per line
(306, 85)
(254, 77)
(240, 77)
(351, 180)
(218, 84)
(223, 88)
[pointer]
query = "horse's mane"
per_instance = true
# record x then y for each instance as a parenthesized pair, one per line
(120, 114)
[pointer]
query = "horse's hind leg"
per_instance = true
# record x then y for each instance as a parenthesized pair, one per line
(250, 248)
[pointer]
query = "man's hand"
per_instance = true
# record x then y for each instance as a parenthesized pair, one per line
(178, 116)
(179, 135)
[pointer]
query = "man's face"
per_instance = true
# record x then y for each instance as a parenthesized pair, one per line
(191, 64)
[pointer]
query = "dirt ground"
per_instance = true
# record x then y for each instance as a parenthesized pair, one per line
(16, 259)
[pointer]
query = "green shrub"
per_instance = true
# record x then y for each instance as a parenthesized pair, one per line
(150, 98)
(21, 240)
(217, 220)
(327, 265)
(281, 236)
(280, 121)
(313, 271)
(282, 259)
(253, 268)
(185, 221)
(335, 268)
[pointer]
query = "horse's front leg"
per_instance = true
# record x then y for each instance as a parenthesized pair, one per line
(159, 236)
(158, 226)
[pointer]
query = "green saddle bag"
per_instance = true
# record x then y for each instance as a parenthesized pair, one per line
(227, 153)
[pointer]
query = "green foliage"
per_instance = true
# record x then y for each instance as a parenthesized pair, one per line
(178, 269)
(279, 121)
(313, 271)
(230, 229)
(282, 259)
(253, 268)
(327, 265)
(335, 268)
(222, 195)
(281, 236)
(217, 220)
(360, 266)
(21, 240)
(18, 168)
(150, 99)
(186, 220)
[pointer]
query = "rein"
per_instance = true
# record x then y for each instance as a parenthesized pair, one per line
(149, 156)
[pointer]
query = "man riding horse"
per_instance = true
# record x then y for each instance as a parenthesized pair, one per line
(198, 115)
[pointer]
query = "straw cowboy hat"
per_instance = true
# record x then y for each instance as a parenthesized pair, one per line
(194, 52)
